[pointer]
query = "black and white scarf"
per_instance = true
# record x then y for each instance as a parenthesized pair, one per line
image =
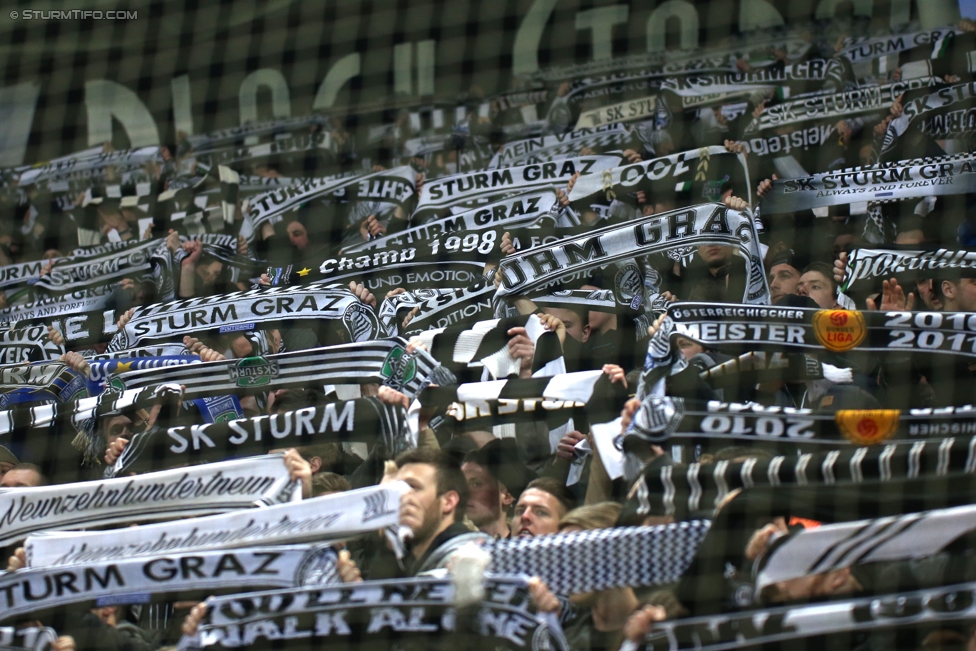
(276, 127)
(394, 308)
(553, 147)
(484, 345)
(677, 62)
(874, 264)
(292, 566)
(73, 423)
(447, 308)
(687, 169)
(835, 106)
(435, 236)
(384, 361)
(28, 344)
(396, 267)
(794, 625)
(543, 266)
(74, 303)
(662, 490)
(365, 420)
(27, 638)
(93, 166)
(437, 196)
(729, 326)
(127, 260)
(857, 49)
(871, 184)
(247, 311)
(15, 275)
(378, 611)
(945, 113)
(634, 556)
(297, 143)
(210, 488)
(80, 317)
(835, 546)
(397, 185)
(327, 518)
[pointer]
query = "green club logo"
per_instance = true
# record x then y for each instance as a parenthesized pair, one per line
(398, 368)
(254, 372)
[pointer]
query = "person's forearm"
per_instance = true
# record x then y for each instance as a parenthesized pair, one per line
(187, 281)
(600, 488)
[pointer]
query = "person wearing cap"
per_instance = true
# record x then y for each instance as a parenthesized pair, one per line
(496, 478)
(7, 461)
(784, 274)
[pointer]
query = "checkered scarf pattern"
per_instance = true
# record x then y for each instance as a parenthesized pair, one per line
(630, 556)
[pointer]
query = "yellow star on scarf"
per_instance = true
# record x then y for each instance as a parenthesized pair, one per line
(304, 271)
(122, 367)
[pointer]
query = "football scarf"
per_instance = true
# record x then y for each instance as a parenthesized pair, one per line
(795, 74)
(275, 127)
(728, 326)
(834, 106)
(558, 146)
(664, 490)
(859, 49)
(645, 556)
(293, 144)
(396, 185)
(684, 171)
(384, 269)
(946, 176)
(394, 308)
(101, 371)
(487, 414)
(645, 109)
(72, 424)
(447, 308)
(76, 303)
(140, 579)
(945, 113)
(29, 344)
(437, 196)
(40, 382)
(384, 361)
(14, 275)
(328, 518)
(164, 350)
(413, 609)
(210, 488)
(126, 261)
(597, 300)
(29, 638)
(365, 420)
(247, 311)
(453, 234)
(661, 419)
(794, 625)
(709, 224)
(554, 399)
(484, 345)
(676, 62)
(871, 264)
(835, 546)
(89, 166)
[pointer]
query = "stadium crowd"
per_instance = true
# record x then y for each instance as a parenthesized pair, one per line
(687, 362)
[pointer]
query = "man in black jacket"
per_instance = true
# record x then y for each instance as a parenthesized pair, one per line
(432, 510)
